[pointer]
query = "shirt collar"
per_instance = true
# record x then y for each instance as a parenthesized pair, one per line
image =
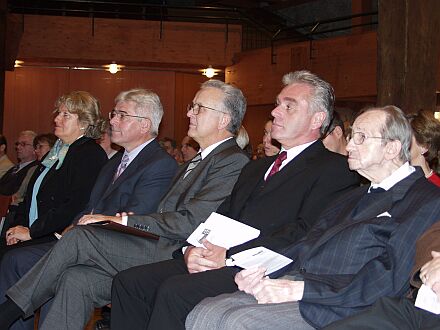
(295, 151)
(205, 152)
(133, 154)
(398, 175)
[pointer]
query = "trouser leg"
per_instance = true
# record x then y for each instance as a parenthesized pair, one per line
(14, 265)
(178, 295)
(106, 250)
(77, 290)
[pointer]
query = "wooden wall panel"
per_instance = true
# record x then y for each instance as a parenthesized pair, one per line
(64, 38)
(348, 63)
(254, 120)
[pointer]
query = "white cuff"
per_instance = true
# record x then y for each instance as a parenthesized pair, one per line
(124, 220)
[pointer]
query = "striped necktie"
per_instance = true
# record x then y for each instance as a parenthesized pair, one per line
(122, 167)
(192, 164)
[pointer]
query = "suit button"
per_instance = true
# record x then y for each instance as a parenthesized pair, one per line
(302, 270)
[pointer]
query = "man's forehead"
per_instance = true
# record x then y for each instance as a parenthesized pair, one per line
(369, 121)
(25, 137)
(294, 91)
(127, 106)
(209, 94)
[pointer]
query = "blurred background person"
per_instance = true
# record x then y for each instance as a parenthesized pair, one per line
(24, 147)
(5, 162)
(169, 145)
(242, 140)
(271, 147)
(190, 148)
(335, 140)
(110, 148)
(42, 144)
(61, 185)
(425, 144)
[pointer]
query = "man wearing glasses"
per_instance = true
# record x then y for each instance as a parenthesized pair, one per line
(10, 182)
(78, 271)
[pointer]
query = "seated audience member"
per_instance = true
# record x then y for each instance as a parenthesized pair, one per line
(271, 146)
(425, 146)
(189, 149)
(110, 148)
(282, 196)
(334, 140)
(169, 145)
(77, 272)
(400, 313)
(42, 145)
(137, 189)
(60, 187)
(5, 162)
(10, 182)
(360, 249)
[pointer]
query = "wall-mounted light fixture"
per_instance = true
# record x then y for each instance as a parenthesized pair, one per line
(18, 63)
(113, 67)
(210, 72)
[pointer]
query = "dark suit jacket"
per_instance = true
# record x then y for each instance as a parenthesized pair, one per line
(191, 200)
(350, 259)
(138, 189)
(10, 182)
(64, 192)
(286, 207)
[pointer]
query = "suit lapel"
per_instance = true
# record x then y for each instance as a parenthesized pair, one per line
(378, 206)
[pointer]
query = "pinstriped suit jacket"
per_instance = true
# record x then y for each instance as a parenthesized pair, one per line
(349, 260)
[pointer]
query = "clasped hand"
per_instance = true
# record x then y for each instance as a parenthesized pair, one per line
(17, 234)
(200, 259)
(430, 273)
(268, 291)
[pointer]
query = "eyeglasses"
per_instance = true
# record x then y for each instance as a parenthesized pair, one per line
(359, 137)
(64, 115)
(40, 145)
(121, 115)
(195, 107)
(22, 144)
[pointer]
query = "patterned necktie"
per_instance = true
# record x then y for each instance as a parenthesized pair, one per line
(194, 162)
(122, 167)
(276, 166)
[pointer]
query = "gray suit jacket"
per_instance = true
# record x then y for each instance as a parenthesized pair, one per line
(191, 200)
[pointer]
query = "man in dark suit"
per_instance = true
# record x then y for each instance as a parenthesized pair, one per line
(390, 313)
(78, 271)
(361, 248)
(138, 188)
(283, 205)
(12, 179)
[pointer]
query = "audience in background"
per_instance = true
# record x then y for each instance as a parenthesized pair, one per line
(110, 148)
(335, 139)
(271, 146)
(5, 162)
(169, 145)
(12, 179)
(60, 187)
(242, 139)
(189, 149)
(425, 146)
(42, 144)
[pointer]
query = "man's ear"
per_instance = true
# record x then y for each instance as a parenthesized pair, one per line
(146, 125)
(392, 149)
(224, 121)
(317, 119)
(338, 132)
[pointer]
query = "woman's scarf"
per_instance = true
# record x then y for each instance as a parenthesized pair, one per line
(57, 153)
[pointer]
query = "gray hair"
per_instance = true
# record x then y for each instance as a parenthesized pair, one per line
(323, 98)
(234, 102)
(147, 104)
(29, 133)
(395, 128)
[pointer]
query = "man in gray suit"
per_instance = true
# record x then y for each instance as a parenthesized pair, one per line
(77, 273)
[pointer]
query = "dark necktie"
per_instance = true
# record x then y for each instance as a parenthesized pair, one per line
(276, 166)
(369, 199)
(193, 163)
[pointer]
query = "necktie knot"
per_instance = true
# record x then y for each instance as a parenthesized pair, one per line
(122, 166)
(277, 164)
